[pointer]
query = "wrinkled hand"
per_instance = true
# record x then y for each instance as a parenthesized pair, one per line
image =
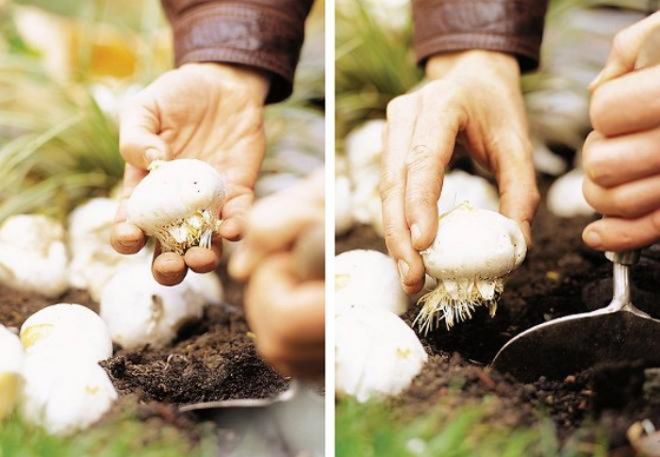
(474, 94)
(212, 112)
(621, 158)
(285, 311)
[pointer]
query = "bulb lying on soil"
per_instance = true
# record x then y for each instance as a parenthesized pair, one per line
(178, 202)
(33, 255)
(11, 367)
(364, 147)
(565, 197)
(94, 261)
(473, 251)
(139, 311)
(376, 353)
(459, 187)
(368, 278)
(64, 395)
(67, 331)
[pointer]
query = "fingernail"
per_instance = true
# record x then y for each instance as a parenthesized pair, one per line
(593, 238)
(403, 269)
(416, 234)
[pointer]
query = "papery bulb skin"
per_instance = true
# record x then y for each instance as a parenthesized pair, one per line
(179, 203)
(368, 278)
(376, 353)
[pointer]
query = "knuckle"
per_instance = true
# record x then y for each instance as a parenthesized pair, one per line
(655, 222)
(534, 198)
(392, 237)
(420, 198)
(389, 185)
(419, 157)
(590, 194)
(597, 167)
(621, 204)
(398, 104)
(599, 109)
(620, 45)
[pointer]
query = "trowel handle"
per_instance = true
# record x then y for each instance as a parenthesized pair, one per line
(309, 254)
(624, 257)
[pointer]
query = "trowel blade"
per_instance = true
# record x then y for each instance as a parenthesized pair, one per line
(571, 344)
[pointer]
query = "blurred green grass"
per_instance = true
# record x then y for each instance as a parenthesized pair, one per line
(373, 430)
(122, 436)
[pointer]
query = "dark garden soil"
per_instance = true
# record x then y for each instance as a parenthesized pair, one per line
(560, 277)
(214, 359)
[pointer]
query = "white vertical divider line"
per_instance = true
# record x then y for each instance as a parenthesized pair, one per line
(329, 227)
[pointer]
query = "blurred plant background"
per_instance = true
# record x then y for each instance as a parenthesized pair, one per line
(65, 69)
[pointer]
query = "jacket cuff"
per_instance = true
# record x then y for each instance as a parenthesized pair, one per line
(511, 26)
(267, 39)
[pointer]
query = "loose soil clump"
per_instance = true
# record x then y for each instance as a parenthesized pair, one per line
(214, 360)
(559, 277)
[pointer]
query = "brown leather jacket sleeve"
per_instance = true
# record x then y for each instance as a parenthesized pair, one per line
(264, 34)
(512, 26)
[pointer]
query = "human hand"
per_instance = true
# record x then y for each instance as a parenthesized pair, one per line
(284, 309)
(620, 158)
(208, 111)
(475, 95)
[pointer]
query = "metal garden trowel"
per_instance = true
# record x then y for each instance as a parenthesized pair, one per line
(619, 332)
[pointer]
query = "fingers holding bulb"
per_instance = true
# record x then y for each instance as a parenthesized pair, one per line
(127, 238)
(204, 260)
(168, 268)
(234, 213)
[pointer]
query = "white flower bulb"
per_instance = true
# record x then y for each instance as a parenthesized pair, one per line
(364, 147)
(473, 251)
(368, 278)
(11, 368)
(565, 197)
(64, 396)
(343, 216)
(33, 256)
(459, 187)
(140, 311)
(94, 260)
(66, 331)
(376, 353)
(178, 202)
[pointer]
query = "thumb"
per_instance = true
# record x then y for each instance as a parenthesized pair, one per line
(139, 126)
(626, 48)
